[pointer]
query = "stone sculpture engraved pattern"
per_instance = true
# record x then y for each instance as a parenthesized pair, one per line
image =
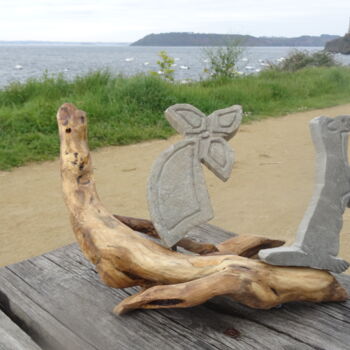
(178, 199)
(317, 241)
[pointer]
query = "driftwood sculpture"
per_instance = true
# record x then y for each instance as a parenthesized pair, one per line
(123, 258)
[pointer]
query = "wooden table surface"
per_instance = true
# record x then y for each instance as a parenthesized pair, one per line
(58, 300)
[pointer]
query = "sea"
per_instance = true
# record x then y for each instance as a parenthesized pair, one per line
(21, 62)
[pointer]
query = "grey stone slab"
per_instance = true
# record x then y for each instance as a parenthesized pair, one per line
(178, 199)
(178, 196)
(317, 240)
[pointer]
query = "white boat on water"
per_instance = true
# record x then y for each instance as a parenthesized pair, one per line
(18, 66)
(129, 59)
(184, 67)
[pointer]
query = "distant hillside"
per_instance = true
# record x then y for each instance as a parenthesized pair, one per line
(194, 39)
(340, 45)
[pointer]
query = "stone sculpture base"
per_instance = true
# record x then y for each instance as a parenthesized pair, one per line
(171, 279)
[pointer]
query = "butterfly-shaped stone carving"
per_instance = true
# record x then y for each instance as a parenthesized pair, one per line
(177, 194)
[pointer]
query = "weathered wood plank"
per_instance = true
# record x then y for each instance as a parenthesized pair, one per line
(65, 288)
(199, 321)
(12, 337)
(16, 298)
(62, 304)
(324, 326)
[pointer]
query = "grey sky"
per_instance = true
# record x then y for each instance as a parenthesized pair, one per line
(129, 20)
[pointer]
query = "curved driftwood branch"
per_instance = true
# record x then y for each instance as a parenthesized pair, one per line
(123, 258)
(243, 245)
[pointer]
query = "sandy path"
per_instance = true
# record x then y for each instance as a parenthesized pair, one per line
(267, 194)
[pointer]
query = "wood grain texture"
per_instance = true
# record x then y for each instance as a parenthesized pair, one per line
(64, 305)
(124, 259)
(12, 337)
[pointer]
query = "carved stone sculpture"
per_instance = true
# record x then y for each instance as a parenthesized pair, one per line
(317, 241)
(177, 195)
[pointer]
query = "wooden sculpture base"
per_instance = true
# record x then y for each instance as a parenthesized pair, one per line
(171, 279)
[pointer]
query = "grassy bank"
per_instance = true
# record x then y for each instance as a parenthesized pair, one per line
(128, 110)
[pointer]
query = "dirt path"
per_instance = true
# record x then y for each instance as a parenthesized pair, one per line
(267, 194)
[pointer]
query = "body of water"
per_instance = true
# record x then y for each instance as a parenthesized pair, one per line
(20, 62)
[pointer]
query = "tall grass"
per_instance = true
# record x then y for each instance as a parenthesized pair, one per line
(128, 110)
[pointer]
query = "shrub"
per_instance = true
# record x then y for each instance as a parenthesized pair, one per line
(222, 60)
(123, 110)
(299, 59)
(165, 63)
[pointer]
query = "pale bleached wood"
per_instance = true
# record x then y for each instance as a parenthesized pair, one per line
(123, 258)
(247, 245)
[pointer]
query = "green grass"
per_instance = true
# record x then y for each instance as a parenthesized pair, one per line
(128, 110)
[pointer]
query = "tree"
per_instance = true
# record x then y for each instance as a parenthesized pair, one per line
(222, 60)
(165, 66)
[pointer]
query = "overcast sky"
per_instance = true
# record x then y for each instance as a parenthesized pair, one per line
(129, 20)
